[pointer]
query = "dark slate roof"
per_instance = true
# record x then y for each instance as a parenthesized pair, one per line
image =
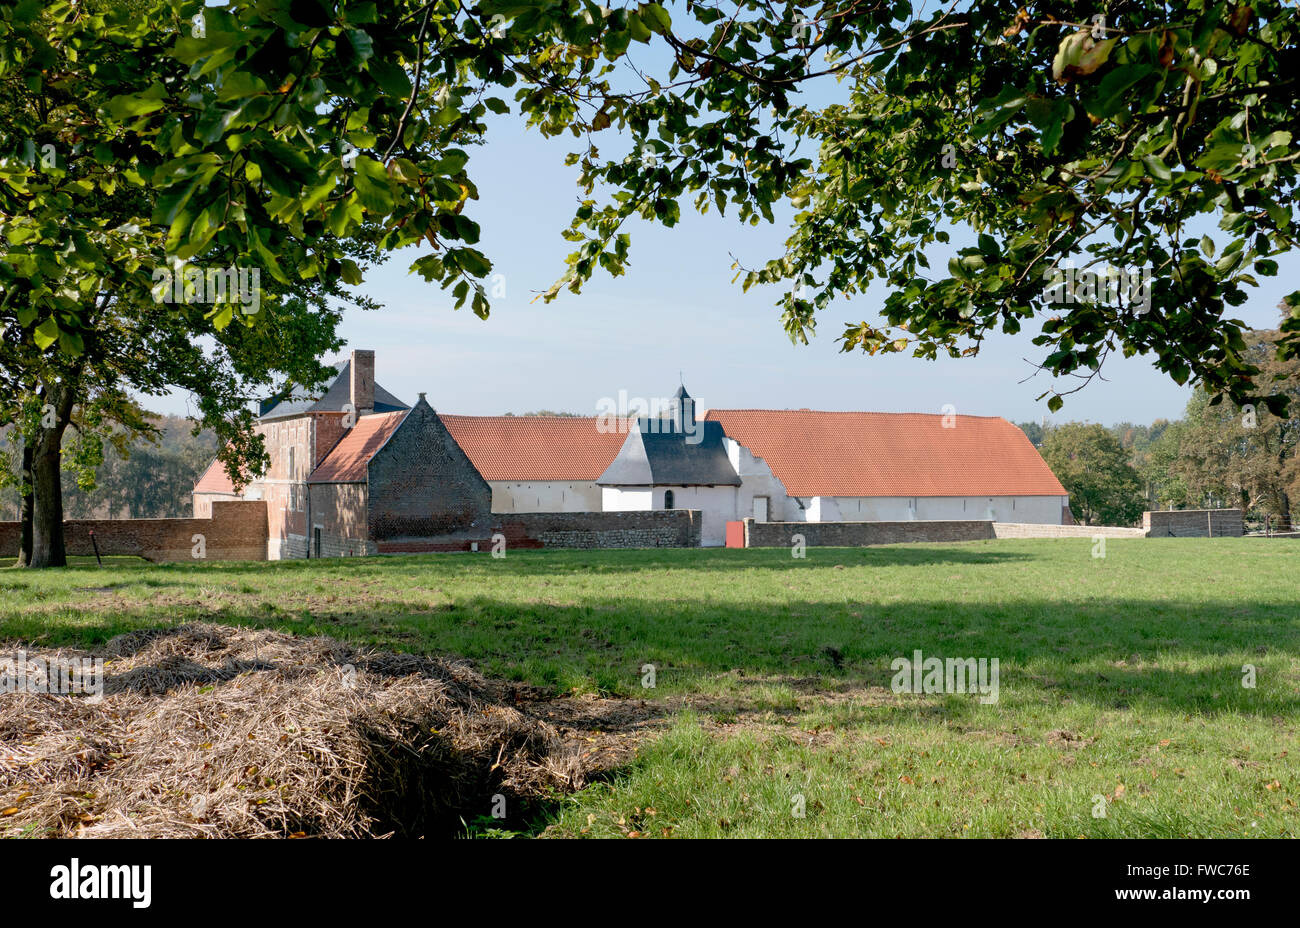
(656, 453)
(337, 395)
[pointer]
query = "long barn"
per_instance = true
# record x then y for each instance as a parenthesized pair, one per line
(355, 461)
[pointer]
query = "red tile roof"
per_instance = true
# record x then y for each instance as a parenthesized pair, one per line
(518, 448)
(214, 480)
(891, 454)
(347, 461)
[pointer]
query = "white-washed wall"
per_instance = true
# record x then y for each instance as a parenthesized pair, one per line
(717, 505)
(546, 496)
(757, 479)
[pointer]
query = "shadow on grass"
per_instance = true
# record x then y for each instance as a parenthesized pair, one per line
(1112, 652)
(527, 562)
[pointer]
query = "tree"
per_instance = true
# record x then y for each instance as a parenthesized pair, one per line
(1160, 471)
(1245, 456)
(88, 311)
(1088, 460)
(1034, 431)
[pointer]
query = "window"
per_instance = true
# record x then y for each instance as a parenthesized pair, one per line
(291, 473)
(668, 499)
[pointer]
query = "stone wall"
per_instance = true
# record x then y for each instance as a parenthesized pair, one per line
(237, 531)
(422, 485)
(675, 528)
(1035, 530)
(1193, 523)
(857, 534)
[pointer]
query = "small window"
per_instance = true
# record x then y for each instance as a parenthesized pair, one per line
(668, 499)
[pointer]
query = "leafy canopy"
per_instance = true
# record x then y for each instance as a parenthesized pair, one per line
(281, 127)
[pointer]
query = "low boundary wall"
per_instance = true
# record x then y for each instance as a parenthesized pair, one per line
(1038, 530)
(237, 531)
(858, 534)
(672, 528)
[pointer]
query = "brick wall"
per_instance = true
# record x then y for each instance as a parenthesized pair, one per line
(1193, 523)
(339, 510)
(857, 534)
(675, 528)
(237, 531)
(328, 430)
(423, 486)
(1037, 530)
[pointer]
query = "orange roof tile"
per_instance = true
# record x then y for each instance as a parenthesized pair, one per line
(348, 460)
(215, 480)
(516, 448)
(818, 453)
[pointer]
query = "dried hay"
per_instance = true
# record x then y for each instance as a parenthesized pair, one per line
(214, 731)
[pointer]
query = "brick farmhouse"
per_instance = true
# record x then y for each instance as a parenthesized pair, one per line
(357, 471)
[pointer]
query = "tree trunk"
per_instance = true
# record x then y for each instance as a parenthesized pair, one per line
(48, 549)
(25, 508)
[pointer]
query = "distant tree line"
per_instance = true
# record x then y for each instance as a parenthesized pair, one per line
(1217, 455)
(121, 476)
(545, 412)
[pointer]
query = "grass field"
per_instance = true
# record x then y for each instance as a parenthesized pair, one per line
(1121, 678)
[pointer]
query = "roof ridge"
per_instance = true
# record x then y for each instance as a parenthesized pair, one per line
(859, 412)
(470, 415)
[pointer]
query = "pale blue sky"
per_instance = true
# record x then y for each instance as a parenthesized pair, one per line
(676, 309)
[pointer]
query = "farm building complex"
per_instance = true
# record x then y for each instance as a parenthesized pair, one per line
(354, 470)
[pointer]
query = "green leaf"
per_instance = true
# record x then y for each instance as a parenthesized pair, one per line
(132, 105)
(71, 343)
(1109, 99)
(1157, 168)
(372, 185)
(350, 273)
(656, 18)
(46, 334)
(999, 110)
(390, 77)
(171, 202)
(473, 262)
(639, 30)
(362, 44)
(345, 216)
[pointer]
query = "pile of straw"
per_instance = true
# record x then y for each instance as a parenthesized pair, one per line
(213, 731)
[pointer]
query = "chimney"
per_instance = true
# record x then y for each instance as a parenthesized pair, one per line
(362, 392)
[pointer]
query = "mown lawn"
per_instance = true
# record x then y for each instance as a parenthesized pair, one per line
(1120, 678)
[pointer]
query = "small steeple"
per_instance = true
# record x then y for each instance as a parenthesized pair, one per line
(683, 409)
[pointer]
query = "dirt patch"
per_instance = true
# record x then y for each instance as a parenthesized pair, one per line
(214, 731)
(1067, 740)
